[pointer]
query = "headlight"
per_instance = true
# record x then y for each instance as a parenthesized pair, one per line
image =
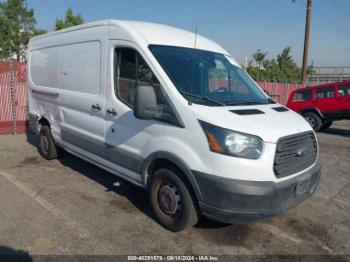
(232, 143)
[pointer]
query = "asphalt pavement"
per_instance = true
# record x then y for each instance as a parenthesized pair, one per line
(70, 207)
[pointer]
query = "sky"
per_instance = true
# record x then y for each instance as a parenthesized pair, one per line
(240, 26)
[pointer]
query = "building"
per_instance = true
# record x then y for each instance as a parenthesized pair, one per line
(329, 74)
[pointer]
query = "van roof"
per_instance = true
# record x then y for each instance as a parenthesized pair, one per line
(152, 33)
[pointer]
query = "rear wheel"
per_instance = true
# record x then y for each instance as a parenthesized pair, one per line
(326, 125)
(172, 201)
(314, 120)
(47, 147)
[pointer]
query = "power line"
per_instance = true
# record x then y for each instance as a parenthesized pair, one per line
(330, 22)
(331, 55)
(341, 9)
(333, 49)
(324, 52)
(331, 52)
(331, 19)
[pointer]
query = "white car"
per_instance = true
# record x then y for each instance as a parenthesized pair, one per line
(172, 112)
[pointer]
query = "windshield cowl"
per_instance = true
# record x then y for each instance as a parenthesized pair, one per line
(249, 102)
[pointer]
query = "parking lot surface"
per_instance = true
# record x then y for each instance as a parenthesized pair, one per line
(69, 206)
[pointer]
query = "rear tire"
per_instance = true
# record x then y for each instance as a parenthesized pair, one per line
(326, 125)
(172, 201)
(47, 147)
(314, 120)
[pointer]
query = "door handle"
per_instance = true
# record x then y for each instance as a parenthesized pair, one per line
(111, 112)
(96, 107)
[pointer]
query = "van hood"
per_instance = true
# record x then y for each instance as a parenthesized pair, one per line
(264, 121)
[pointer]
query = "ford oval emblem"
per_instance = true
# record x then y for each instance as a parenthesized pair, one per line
(300, 152)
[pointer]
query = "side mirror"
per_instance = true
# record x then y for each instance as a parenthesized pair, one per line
(145, 106)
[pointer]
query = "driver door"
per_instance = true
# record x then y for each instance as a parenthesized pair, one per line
(128, 140)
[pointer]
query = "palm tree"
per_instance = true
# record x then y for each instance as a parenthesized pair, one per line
(259, 57)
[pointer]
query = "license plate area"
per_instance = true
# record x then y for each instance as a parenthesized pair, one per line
(302, 187)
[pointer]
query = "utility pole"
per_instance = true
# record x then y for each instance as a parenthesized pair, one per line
(306, 41)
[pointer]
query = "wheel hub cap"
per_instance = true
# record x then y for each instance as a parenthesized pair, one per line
(169, 199)
(311, 121)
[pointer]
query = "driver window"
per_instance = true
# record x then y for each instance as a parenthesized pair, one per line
(130, 71)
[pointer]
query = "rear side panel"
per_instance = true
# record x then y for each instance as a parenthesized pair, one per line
(43, 82)
(66, 79)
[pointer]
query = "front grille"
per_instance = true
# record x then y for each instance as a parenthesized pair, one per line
(294, 154)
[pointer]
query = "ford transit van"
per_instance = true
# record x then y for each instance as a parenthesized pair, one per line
(174, 113)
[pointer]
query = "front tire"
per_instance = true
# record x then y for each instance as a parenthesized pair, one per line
(47, 147)
(172, 201)
(314, 120)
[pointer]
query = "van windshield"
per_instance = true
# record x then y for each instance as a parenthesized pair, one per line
(208, 78)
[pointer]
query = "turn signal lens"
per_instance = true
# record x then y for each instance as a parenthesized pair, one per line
(213, 143)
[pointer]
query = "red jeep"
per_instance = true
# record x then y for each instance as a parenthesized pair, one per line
(320, 105)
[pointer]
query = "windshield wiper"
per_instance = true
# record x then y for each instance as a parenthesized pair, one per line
(205, 98)
(246, 102)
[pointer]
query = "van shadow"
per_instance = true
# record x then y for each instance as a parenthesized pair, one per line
(137, 196)
(337, 131)
(10, 254)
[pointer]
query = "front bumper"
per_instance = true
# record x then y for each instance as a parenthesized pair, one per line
(239, 201)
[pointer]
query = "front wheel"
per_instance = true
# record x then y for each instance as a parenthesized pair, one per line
(172, 201)
(314, 120)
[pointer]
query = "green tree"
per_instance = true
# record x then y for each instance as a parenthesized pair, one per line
(280, 69)
(70, 20)
(17, 26)
(259, 57)
(272, 71)
(290, 72)
(257, 72)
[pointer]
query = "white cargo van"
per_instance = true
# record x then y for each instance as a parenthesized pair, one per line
(174, 113)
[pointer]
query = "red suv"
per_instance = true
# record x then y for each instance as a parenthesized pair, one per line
(320, 105)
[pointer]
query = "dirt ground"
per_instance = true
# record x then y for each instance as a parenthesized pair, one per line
(69, 206)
